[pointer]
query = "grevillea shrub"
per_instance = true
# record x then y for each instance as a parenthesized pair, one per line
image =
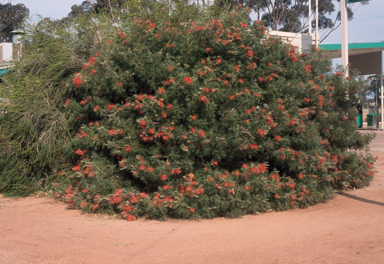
(213, 118)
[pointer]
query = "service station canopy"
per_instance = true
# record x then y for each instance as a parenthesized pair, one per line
(366, 57)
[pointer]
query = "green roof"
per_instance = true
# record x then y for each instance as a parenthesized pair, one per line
(355, 1)
(3, 71)
(367, 45)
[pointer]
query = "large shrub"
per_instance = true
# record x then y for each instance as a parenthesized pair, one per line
(212, 118)
(36, 125)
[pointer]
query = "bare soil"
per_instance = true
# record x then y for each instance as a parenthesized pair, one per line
(348, 229)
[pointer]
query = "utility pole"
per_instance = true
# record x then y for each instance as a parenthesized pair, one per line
(344, 37)
(317, 24)
(310, 17)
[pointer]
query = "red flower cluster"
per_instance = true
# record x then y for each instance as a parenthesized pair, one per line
(187, 80)
(77, 82)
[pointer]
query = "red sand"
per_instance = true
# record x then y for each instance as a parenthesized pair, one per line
(348, 229)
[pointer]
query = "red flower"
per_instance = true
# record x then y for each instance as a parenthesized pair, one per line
(218, 61)
(250, 53)
(163, 177)
(300, 176)
(203, 99)
(187, 80)
(76, 167)
(143, 123)
(261, 79)
(241, 80)
(277, 196)
(278, 138)
(112, 132)
(110, 106)
(164, 115)
(253, 146)
(192, 210)
(93, 71)
(281, 107)
(261, 132)
(169, 106)
(80, 152)
(131, 217)
(77, 82)
(92, 60)
(247, 188)
(128, 149)
(150, 169)
(171, 80)
(207, 49)
(201, 133)
(160, 90)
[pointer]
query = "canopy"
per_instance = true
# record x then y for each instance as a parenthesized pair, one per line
(366, 57)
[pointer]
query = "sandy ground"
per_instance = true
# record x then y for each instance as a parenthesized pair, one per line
(347, 229)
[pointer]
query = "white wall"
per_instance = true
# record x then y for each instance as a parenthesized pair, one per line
(302, 41)
(7, 49)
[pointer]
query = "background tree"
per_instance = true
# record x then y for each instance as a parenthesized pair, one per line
(11, 16)
(369, 92)
(84, 8)
(292, 15)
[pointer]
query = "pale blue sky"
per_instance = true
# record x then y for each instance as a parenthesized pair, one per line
(367, 25)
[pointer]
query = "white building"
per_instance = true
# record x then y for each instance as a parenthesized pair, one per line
(6, 52)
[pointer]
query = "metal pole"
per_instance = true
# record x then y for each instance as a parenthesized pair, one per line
(310, 18)
(317, 23)
(377, 105)
(381, 91)
(344, 37)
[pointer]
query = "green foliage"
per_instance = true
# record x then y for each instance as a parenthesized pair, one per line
(36, 125)
(209, 118)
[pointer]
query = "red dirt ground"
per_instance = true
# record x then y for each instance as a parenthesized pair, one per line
(348, 229)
